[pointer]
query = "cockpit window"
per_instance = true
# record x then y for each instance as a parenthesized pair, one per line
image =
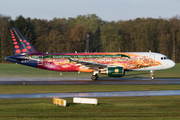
(164, 58)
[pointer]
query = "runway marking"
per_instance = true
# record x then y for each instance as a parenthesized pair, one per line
(92, 94)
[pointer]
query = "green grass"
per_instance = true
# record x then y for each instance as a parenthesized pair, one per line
(21, 71)
(126, 108)
(20, 89)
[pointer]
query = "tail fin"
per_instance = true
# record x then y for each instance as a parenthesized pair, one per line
(20, 43)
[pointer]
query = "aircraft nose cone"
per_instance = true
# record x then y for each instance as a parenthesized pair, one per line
(171, 64)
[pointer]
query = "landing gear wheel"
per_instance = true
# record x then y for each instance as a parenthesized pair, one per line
(152, 77)
(94, 77)
(97, 76)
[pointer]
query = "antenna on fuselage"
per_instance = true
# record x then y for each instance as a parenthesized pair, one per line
(75, 51)
(149, 51)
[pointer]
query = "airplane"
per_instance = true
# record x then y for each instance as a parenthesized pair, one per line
(113, 64)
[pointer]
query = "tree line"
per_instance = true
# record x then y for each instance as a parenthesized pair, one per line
(62, 35)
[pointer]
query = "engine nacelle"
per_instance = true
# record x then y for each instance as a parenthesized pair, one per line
(114, 71)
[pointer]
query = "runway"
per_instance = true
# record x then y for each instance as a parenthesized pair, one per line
(92, 94)
(87, 81)
(84, 81)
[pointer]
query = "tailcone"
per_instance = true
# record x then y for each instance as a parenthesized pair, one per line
(15, 58)
(20, 59)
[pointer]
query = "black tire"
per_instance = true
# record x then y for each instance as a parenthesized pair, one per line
(152, 78)
(97, 77)
(93, 77)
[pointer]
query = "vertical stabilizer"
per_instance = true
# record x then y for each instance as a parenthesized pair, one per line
(20, 43)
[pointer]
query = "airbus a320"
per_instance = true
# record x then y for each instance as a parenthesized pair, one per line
(113, 64)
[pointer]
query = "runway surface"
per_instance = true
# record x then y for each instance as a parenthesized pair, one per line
(87, 81)
(84, 81)
(92, 94)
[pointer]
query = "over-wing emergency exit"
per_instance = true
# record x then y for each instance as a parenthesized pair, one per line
(113, 64)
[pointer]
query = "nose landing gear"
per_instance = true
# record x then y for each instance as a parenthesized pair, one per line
(152, 75)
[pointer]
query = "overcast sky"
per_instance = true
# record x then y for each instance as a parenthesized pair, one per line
(109, 10)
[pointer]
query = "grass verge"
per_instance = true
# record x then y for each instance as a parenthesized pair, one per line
(134, 108)
(22, 89)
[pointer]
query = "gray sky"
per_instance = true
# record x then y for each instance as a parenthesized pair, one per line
(110, 10)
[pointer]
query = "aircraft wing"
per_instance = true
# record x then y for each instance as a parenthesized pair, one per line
(90, 64)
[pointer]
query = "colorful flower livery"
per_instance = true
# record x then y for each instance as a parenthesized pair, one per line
(113, 64)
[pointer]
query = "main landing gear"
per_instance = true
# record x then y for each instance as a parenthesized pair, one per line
(152, 75)
(94, 77)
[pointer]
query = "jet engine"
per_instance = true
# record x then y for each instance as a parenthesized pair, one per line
(113, 71)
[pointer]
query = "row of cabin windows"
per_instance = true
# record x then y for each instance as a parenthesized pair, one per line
(101, 59)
